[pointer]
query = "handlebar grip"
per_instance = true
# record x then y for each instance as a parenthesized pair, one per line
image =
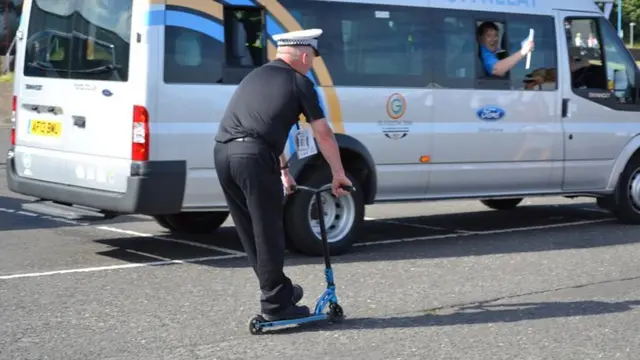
(348, 188)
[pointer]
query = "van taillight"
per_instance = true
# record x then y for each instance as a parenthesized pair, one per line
(14, 108)
(140, 134)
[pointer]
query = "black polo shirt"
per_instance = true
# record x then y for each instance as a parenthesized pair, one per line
(267, 103)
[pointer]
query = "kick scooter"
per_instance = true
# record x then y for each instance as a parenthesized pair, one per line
(328, 297)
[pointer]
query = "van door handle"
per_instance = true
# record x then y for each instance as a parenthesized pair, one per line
(79, 121)
(565, 108)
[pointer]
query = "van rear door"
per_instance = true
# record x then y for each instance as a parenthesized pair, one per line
(73, 110)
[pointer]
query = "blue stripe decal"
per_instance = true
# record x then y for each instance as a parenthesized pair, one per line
(241, 2)
(216, 31)
(194, 22)
(155, 18)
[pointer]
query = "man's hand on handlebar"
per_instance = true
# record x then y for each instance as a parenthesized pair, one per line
(338, 183)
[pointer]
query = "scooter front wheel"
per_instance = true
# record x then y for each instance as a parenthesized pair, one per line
(335, 313)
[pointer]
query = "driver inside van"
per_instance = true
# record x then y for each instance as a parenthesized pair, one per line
(488, 39)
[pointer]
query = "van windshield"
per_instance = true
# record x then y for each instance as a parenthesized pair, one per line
(79, 39)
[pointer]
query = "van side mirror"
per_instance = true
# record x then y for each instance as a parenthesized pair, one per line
(620, 82)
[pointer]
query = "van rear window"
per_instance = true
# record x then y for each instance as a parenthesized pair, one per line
(79, 39)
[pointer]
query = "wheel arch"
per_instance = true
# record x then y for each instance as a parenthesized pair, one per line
(356, 159)
(630, 151)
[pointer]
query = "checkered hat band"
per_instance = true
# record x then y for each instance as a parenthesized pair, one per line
(295, 42)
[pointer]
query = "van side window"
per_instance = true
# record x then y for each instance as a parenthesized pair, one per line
(602, 69)
(370, 45)
(245, 43)
(191, 57)
(381, 46)
(491, 47)
(244, 37)
(457, 46)
(621, 68)
(541, 74)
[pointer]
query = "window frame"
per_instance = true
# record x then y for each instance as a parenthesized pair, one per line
(527, 18)
(609, 101)
(438, 67)
(486, 82)
(333, 30)
(233, 74)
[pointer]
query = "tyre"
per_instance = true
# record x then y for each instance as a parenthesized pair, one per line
(626, 204)
(343, 216)
(502, 204)
(193, 222)
(162, 221)
(606, 202)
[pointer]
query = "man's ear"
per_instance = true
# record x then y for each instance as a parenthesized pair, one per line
(305, 57)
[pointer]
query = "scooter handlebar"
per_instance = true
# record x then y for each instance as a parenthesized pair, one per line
(324, 188)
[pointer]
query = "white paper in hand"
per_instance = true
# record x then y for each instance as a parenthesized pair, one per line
(305, 145)
(528, 39)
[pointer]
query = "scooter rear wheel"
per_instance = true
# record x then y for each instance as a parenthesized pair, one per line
(255, 324)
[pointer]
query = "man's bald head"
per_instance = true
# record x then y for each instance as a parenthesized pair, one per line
(299, 57)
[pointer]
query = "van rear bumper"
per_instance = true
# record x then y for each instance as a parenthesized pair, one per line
(156, 188)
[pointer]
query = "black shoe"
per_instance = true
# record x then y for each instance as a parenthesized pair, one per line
(293, 312)
(298, 293)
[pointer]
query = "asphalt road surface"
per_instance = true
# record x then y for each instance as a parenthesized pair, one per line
(553, 279)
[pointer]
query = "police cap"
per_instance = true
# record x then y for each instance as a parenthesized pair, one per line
(300, 38)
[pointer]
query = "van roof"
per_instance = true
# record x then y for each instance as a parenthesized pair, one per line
(509, 6)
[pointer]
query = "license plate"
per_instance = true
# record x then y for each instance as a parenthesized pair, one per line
(45, 128)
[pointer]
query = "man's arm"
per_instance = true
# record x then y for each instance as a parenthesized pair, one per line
(283, 165)
(315, 116)
(502, 67)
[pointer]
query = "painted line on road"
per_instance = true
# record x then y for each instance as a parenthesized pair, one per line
(117, 267)
(239, 254)
(420, 226)
(596, 210)
(122, 231)
(157, 257)
(184, 242)
(487, 232)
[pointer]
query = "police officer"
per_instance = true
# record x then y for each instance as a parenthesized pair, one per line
(252, 170)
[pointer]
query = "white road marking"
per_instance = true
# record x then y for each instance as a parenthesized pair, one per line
(117, 267)
(415, 225)
(237, 254)
(501, 231)
(63, 220)
(596, 210)
(148, 255)
(424, 226)
(26, 213)
(184, 242)
(127, 232)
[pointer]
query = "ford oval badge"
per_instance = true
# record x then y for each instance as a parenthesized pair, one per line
(106, 92)
(490, 113)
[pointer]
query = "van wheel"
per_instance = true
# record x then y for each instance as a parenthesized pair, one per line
(626, 206)
(502, 204)
(343, 216)
(162, 221)
(606, 202)
(194, 222)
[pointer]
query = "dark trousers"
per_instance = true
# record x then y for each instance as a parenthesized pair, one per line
(249, 174)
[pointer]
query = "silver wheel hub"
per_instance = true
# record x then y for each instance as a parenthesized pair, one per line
(634, 190)
(339, 216)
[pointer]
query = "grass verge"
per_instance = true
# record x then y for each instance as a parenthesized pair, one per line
(6, 78)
